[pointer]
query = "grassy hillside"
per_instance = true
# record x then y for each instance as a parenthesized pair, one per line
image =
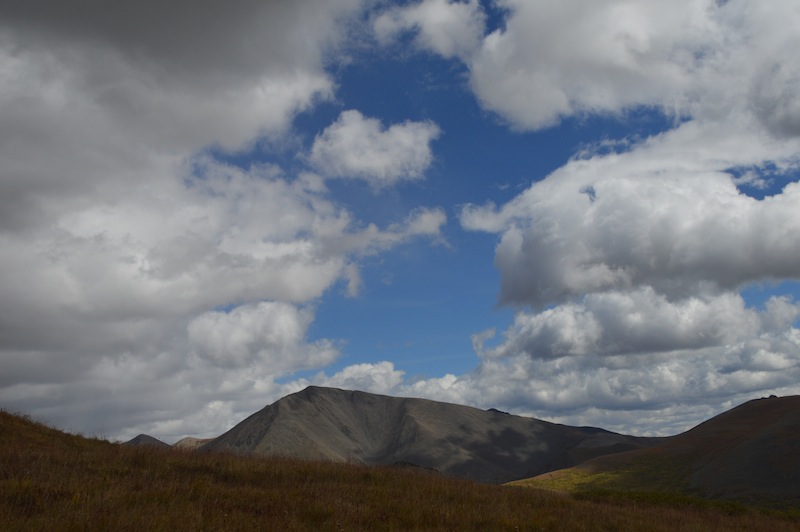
(750, 453)
(54, 481)
(653, 471)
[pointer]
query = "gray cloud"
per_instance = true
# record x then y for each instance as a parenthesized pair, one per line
(776, 99)
(95, 94)
(121, 241)
(122, 238)
(197, 38)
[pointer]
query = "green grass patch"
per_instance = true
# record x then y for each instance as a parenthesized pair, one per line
(651, 473)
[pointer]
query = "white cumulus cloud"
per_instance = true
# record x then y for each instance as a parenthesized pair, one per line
(636, 219)
(269, 333)
(450, 29)
(627, 267)
(357, 147)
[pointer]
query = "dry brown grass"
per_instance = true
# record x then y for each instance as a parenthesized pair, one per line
(53, 481)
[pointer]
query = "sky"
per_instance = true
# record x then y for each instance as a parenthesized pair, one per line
(585, 211)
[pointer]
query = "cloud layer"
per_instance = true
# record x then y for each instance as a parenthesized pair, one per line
(627, 266)
(149, 286)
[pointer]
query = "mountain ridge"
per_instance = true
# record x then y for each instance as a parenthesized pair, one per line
(332, 424)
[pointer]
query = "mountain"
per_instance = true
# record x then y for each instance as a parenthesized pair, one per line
(190, 444)
(147, 441)
(749, 453)
(336, 425)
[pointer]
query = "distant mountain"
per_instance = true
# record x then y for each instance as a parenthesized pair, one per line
(350, 426)
(190, 444)
(147, 441)
(750, 453)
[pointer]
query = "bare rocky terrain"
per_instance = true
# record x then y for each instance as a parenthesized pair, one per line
(349, 426)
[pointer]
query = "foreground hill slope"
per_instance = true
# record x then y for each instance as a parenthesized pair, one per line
(750, 453)
(50, 480)
(349, 426)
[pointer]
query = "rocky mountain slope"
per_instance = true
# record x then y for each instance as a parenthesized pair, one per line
(147, 441)
(350, 426)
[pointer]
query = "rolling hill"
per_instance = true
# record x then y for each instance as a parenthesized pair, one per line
(750, 453)
(336, 425)
(50, 480)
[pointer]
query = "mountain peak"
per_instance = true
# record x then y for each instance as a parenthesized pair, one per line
(333, 424)
(146, 440)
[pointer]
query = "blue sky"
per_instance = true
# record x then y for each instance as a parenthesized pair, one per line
(585, 211)
(418, 302)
